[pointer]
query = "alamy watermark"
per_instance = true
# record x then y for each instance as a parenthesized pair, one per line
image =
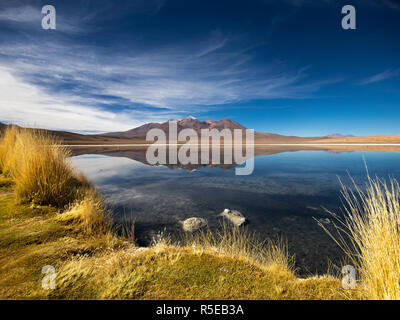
(349, 280)
(49, 20)
(349, 20)
(49, 279)
(199, 150)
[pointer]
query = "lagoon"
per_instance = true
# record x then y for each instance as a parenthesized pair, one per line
(282, 197)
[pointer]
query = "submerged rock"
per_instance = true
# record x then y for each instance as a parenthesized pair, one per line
(325, 221)
(234, 216)
(193, 224)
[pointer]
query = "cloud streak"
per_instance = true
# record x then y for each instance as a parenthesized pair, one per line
(175, 81)
(25, 104)
(64, 81)
(387, 74)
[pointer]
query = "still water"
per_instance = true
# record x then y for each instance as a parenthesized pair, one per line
(281, 198)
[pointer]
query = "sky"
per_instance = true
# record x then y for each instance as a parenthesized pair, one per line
(284, 66)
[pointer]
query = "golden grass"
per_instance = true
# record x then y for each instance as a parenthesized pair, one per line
(31, 237)
(369, 233)
(228, 264)
(239, 243)
(7, 143)
(89, 214)
(43, 175)
(170, 272)
(41, 171)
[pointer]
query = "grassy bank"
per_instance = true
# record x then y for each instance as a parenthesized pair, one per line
(70, 230)
(104, 266)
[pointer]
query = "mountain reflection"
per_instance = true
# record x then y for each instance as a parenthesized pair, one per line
(139, 154)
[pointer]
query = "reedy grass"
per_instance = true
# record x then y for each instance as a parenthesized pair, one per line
(7, 143)
(239, 243)
(40, 168)
(168, 271)
(89, 214)
(43, 175)
(369, 234)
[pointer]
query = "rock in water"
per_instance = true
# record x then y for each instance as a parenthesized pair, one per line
(325, 221)
(234, 216)
(193, 224)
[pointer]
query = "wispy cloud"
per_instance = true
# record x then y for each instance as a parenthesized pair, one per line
(26, 104)
(23, 14)
(71, 84)
(64, 81)
(387, 74)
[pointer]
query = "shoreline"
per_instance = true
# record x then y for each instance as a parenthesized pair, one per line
(237, 144)
(56, 217)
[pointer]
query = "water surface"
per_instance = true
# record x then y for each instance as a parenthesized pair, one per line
(281, 198)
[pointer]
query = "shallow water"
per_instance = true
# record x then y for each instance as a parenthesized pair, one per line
(281, 198)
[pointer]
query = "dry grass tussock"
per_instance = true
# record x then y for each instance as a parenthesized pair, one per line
(43, 175)
(238, 243)
(369, 233)
(41, 170)
(89, 214)
(168, 271)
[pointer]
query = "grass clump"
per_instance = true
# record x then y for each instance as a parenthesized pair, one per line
(7, 144)
(180, 272)
(40, 168)
(369, 233)
(239, 243)
(228, 264)
(89, 214)
(170, 272)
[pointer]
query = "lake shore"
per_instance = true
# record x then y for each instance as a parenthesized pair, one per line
(52, 218)
(94, 259)
(33, 236)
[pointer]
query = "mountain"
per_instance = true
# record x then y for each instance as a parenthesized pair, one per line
(338, 135)
(138, 134)
(187, 123)
(133, 132)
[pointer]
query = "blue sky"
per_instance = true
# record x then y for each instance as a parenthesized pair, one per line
(275, 66)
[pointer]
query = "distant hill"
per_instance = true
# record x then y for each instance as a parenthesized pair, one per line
(76, 138)
(138, 135)
(339, 135)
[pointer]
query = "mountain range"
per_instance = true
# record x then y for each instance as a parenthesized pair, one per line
(138, 135)
(338, 135)
(187, 123)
